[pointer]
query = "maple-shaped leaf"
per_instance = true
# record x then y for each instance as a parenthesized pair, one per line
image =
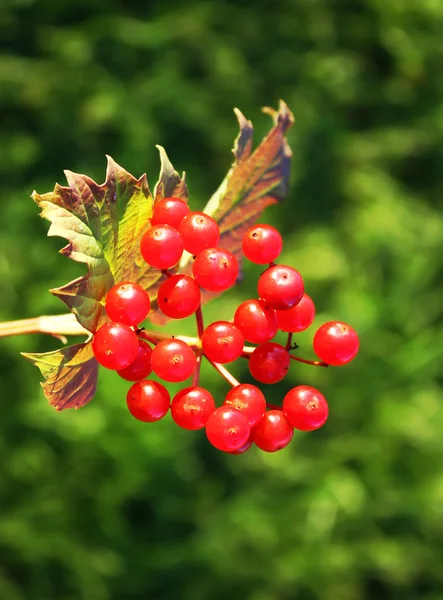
(103, 225)
(254, 181)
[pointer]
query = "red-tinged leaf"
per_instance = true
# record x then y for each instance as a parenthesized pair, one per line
(170, 183)
(70, 375)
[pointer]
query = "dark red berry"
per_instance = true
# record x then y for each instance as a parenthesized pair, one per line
(256, 321)
(179, 296)
(148, 401)
(299, 317)
(269, 363)
(281, 287)
(140, 368)
(273, 432)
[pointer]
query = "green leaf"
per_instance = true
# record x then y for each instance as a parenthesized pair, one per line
(70, 375)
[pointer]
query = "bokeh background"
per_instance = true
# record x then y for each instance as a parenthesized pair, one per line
(96, 506)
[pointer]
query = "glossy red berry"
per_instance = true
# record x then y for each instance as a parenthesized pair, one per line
(161, 246)
(227, 429)
(140, 368)
(222, 342)
(305, 408)
(199, 231)
(256, 320)
(169, 211)
(336, 343)
(191, 407)
(179, 296)
(173, 360)
(127, 303)
(262, 244)
(115, 345)
(299, 317)
(269, 363)
(281, 287)
(249, 400)
(215, 269)
(273, 432)
(244, 448)
(148, 401)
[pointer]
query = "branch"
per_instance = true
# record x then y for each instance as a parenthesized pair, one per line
(224, 372)
(58, 326)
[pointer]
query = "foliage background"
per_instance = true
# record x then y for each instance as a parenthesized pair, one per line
(96, 506)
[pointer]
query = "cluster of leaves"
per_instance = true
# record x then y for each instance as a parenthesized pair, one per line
(104, 225)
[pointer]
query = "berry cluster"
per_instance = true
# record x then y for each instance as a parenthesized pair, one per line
(244, 418)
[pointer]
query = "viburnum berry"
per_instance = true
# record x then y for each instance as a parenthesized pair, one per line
(227, 429)
(173, 360)
(148, 401)
(249, 400)
(199, 231)
(299, 317)
(162, 246)
(222, 342)
(179, 296)
(115, 345)
(191, 407)
(269, 363)
(305, 408)
(273, 432)
(140, 368)
(215, 269)
(256, 320)
(244, 448)
(336, 343)
(281, 287)
(169, 211)
(127, 303)
(262, 244)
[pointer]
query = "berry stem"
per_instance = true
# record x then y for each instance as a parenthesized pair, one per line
(154, 337)
(289, 342)
(200, 324)
(58, 326)
(272, 406)
(224, 372)
(166, 273)
(316, 363)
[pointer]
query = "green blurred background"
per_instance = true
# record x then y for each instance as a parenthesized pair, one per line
(96, 506)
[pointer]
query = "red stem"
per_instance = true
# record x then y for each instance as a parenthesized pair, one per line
(289, 342)
(200, 324)
(316, 363)
(224, 372)
(272, 406)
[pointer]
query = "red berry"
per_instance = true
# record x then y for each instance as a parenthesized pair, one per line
(141, 366)
(115, 345)
(281, 287)
(222, 342)
(215, 269)
(244, 448)
(127, 303)
(299, 317)
(305, 408)
(179, 296)
(227, 429)
(169, 211)
(199, 231)
(269, 363)
(249, 400)
(161, 246)
(191, 407)
(273, 432)
(173, 360)
(148, 400)
(336, 343)
(256, 320)
(262, 244)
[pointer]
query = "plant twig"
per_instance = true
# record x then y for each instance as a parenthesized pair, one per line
(200, 324)
(224, 372)
(58, 326)
(316, 363)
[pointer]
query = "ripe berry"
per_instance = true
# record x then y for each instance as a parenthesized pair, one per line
(299, 317)
(222, 342)
(336, 343)
(281, 287)
(169, 211)
(256, 320)
(305, 408)
(148, 400)
(115, 345)
(262, 244)
(191, 407)
(141, 366)
(127, 303)
(179, 296)
(173, 360)
(215, 269)
(249, 400)
(244, 448)
(161, 246)
(199, 231)
(269, 362)
(273, 432)
(227, 429)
